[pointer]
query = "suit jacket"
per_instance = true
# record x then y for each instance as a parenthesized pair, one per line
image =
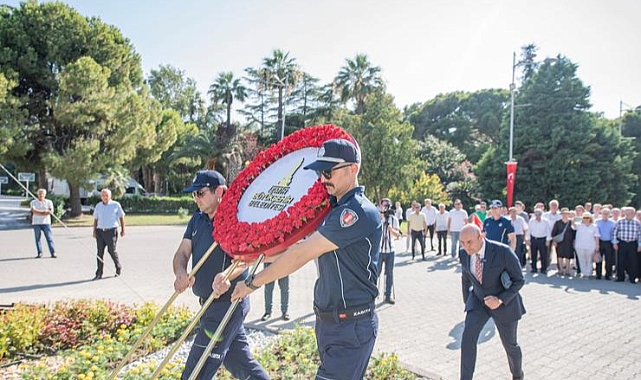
(498, 258)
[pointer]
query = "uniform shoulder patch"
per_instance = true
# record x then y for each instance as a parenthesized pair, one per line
(348, 218)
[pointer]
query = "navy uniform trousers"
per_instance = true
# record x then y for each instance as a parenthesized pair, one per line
(232, 351)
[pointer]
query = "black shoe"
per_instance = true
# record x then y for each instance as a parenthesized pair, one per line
(266, 316)
(98, 277)
(53, 256)
(286, 316)
(118, 272)
(390, 301)
(619, 280)
(533, 271)
(39, 256)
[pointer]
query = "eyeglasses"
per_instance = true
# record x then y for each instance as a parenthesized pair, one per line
(200, 193)
(328, 173)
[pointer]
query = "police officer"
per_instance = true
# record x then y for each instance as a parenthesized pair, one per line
(207, 188)
(347, 248)
(497, 227)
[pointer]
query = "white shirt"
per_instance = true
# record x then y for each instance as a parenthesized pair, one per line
(45, 205)
(519, 224)
(430, 214)
(552, 218)
(539, 229)
(457, 219)
(586, 236)
(441, 220)
(108, 214)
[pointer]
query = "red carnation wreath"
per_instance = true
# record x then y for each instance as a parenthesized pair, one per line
(246, 240)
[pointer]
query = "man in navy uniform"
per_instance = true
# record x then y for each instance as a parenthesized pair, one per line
(233, 350)
(499, 228)
(491, 280)
(347, 248)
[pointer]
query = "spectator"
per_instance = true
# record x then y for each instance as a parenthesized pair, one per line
(627, 243)
(417, 226)
(606, 227)
(538, 238)
(441, 229)
(42, 209)
(457, 219)
(616, 214)
(564, 248)
(596, 210)
(408, 212)
(481, 212)
(391, 230)
(520, 211)
(398, 212)
(283, 285)
(586, 243)
(588, 207)
(520, 227)
(430, 216)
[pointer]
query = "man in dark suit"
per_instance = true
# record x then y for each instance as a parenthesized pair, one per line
(491, 279)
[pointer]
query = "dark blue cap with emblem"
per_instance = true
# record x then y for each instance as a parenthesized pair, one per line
(334, 152)
(206, 178)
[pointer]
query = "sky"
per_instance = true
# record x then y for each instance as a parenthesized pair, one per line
(424, 47)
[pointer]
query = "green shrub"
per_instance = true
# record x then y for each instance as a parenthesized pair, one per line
(20, 329)
(152, 205)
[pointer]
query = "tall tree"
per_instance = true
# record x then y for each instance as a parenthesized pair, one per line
(225, 89)
(39, 40)
(387, 148)
(468, 121)
(357, 79)
(562, 150)
(98, 127)
(174, 90)
(12, 119)
(631, 130)
(282, 73)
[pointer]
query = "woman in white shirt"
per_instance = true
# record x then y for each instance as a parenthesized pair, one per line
(586, 243)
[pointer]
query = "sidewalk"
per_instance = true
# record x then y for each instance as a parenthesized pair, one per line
(573, 329)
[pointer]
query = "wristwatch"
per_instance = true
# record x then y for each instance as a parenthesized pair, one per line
(249, 281)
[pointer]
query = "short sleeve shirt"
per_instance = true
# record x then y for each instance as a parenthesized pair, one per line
(41, 206)
(348, 274)
(200, 231)
(498, 229)
(108, 214)
(458, 219)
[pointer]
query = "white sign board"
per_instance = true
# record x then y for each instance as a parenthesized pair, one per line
(28, 177)
(281, 185)
(4, 179)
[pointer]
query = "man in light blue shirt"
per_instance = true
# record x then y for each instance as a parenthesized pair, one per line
(605, 227)
(107, 215)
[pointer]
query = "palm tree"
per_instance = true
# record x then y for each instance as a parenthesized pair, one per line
(280, 72)
(224, 89)
(357, 79)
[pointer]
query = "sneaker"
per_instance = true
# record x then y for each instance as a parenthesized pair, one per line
(97, 277)
(53, 256)
(390, 301)
(266, 316)
(286, 316)
(39, 255)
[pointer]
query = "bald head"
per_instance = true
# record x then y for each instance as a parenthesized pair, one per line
(471, 238)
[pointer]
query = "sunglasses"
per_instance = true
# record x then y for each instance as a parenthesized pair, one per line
(200, 193)
(328, 173)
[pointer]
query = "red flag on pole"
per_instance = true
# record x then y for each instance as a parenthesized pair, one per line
(511, 177)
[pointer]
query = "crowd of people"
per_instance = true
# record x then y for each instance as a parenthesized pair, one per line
(590, 239)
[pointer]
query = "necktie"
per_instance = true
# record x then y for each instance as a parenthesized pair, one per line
(478, 268)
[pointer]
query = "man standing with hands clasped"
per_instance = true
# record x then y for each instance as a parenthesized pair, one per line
(491, 279)
(347, 247)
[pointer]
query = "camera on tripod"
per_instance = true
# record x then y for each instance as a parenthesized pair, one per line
(386, 209)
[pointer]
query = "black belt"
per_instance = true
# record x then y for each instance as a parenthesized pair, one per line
(605, 241)
(342, 315)
(539, 238)
(627, 242)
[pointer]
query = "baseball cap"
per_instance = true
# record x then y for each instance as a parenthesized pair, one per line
(496, 203)
(334, 152)
(205, 178)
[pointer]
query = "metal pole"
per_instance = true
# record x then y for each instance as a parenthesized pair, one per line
(282, 126)
(512, 88)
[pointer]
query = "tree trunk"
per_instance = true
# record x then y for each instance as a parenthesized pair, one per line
(42, 179)
(147, 178)
(228, 114)
(74, 200)
(158, 181)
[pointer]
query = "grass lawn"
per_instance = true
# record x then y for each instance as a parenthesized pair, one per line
(132, 220)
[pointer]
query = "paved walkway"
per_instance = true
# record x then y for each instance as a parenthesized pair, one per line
(573, 329)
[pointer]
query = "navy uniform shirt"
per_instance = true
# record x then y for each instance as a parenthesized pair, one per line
(199, 231)
(348, 274)
(497, 230)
